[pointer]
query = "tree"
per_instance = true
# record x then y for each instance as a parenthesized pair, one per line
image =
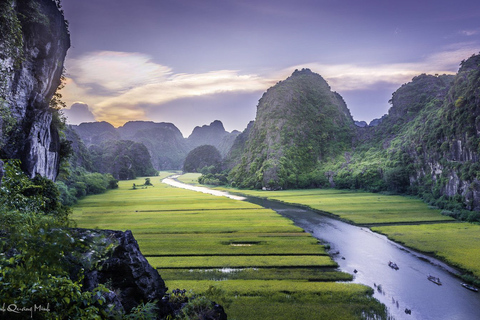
(203, 156)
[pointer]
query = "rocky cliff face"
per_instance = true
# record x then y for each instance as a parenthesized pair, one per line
(31, 68)
(449, 154)
(96, 132)
(214, 135)
(299, 122)
(124, 270)
(164, 141)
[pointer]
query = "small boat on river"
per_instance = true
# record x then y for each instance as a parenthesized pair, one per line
(393, 265)
(435, 280)
(469, 287)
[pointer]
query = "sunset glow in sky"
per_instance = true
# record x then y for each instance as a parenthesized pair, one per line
(191, 62)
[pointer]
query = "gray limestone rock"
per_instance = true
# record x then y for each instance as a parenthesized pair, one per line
(32, 74)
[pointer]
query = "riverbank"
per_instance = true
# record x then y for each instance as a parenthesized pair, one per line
(405, 220)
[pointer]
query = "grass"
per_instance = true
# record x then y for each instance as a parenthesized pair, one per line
(193, 238)
(309, 274)
(241, 261)
(357, 207)
(278, 299)
(458, 244)
(229, 244)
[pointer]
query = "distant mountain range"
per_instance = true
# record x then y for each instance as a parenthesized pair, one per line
(164, 141)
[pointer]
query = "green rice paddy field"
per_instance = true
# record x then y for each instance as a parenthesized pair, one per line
(258, 263)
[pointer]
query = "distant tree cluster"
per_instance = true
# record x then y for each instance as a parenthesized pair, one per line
(202, 157)
(123, 159)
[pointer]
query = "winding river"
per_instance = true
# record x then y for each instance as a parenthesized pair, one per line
(357, 248)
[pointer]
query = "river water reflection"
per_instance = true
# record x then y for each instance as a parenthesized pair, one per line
(369, 253)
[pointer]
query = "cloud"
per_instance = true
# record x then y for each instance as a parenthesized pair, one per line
(469, 33)
(78, 113)
(346, 77)
(121, 85)
(116, 71)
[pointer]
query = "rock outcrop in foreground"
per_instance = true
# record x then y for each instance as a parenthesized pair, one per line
(129, 276)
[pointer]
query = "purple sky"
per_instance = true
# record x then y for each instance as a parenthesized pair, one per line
(191, 62)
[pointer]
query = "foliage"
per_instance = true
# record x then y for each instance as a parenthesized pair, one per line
(144, 311)
(206, 158)
(11, 43)
(40, 259)
(197, 308)
(38, 195)
(76, 178)
(81, 183)
(10, 33)
(123, 159)
(216, 179)
(7, 121)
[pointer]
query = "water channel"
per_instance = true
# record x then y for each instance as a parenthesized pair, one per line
(369, 253)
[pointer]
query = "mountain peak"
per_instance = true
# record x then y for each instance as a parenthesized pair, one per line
(217, 124)
(302, 72)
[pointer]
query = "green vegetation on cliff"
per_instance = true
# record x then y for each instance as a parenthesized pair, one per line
(299, 123)
(428, 144)
(123, 159)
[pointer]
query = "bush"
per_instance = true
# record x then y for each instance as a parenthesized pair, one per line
(81, 183)
(216, 179)
(38, 195)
